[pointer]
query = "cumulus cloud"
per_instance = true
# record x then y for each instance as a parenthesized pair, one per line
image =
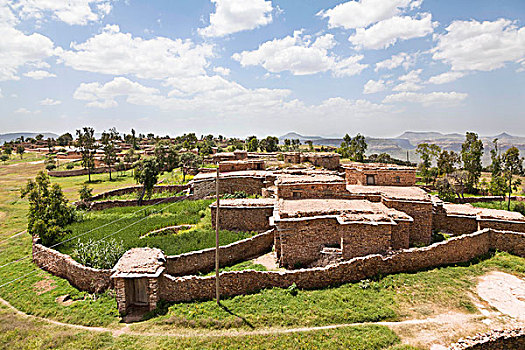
(39, 74)
(104, 95)
(113, 52)
(50, 102)
(446, 77)
(410, 81)
(401, 59)
(22, 110)
(18, 49)
(428, 99)
(362, 13)
(482, 46)
(372, 86)
(76, 12)
(386, 33)
(222, 71)
(299, 55)
(233, 16)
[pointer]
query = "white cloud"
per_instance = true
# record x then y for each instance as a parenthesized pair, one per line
(362, 13)
(222, 71)
(103, 96)
(1, 93)
(72, 12)
(372, 86)
(446, 77)
(386, 33)
(50, 102)
(428, 99)
(410, 81)
(22, 110)
(233, 16)
(299, 55)
(401, 59)
(113, 52)
(18, 49)
(39, 74)
(483, 46)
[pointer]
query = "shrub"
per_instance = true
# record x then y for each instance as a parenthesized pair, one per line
(520, 207)
(70, 166)
(50, 166)
(236, 195)
(4, 157)
(99, 254)
(86, 193)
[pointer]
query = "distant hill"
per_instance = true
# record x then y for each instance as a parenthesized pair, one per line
(14, 135)
(403, 146)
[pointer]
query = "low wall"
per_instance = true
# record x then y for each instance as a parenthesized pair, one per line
(101, 205)
(455, 250)
(251, 185)
(62, 265)
(508, 339)
(243, 218)
(79, 172)
(204, 260)
(133, 189)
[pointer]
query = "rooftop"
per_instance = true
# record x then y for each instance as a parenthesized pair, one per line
(376, 166)
(251, 173)
(310, 178)
(391, 192)
(348, 210)
(140, 262)
(246, 202)
(496, 214)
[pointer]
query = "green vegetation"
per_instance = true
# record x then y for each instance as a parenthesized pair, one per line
(152, 218)
(517, 206)
(131, 196)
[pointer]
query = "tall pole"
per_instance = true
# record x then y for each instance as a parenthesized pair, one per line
(217, 294)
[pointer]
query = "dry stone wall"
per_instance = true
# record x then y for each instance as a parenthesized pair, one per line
(507, 339)
(455, 250)
(421, 212)
(252, 185)
(79, 172)
(243, 218)
(118, 203)
(136, 189)
(62, 265)
(203, 261)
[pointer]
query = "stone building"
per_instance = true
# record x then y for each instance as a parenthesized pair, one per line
(247, 214)
(371, 174)
(310, 186)
(309, 229)
(329, 161)
(241, 165)
(251, 182)
(136, 277)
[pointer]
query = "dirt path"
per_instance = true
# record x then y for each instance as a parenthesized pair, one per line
(500, 290)
(267, 260)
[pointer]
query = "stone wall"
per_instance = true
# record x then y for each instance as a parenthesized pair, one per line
(252, 185)
(243, 218)
(62, 265)
(79, 172)
(119, 203)
(360, 239)
(204, 260)
(312, 190)
(517, 226)
(241, 165)
(507, 339)
(401, 234)
(454, 224)
(455, 250)
(382, 177)
(421, 212)
(136, 189)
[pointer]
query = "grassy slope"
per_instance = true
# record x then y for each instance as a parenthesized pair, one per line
(497, 205)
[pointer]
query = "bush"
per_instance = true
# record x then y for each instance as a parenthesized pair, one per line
(50, 166)
(236, 195)
(520, 207)
(70, 166)
(99, 254)
(86, 193)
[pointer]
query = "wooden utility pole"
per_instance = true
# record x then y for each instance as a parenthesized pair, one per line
(217, 293)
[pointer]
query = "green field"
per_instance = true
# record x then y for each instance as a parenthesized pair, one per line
(500, 205)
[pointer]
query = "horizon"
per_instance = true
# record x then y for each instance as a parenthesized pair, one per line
(264, 67)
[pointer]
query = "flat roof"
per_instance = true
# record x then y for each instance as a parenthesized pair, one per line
(348, 210)
(288, 179)
(376, 166)
(409, 193)
(246, 202)
(496, 214)
(242, 161)
(460, 209)
(140, 262)
(252, 173)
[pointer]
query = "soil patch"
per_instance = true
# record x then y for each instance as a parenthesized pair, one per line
(44, 285)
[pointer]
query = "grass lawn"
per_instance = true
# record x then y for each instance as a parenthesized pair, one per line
(498, 205)
(135, 195)
(162, 215)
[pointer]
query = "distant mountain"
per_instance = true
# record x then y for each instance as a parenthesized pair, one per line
(403, 146)
(14, 135)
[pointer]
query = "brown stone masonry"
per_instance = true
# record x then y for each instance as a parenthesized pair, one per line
(62, 265)
(204, 260)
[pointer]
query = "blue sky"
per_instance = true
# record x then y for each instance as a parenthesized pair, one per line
(239, 67)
